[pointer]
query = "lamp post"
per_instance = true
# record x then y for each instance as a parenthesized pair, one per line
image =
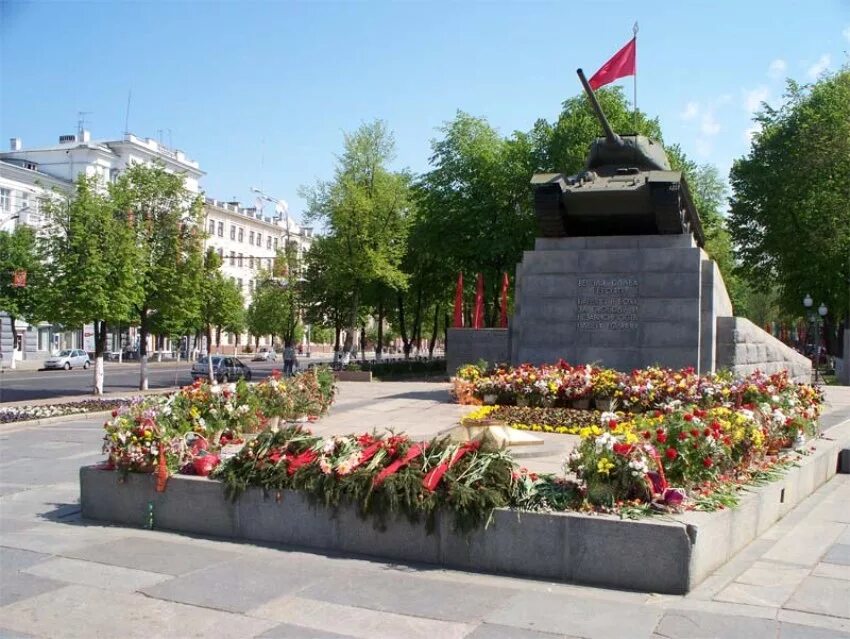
(816, 319)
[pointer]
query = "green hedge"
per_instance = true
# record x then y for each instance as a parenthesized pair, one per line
(406, 368)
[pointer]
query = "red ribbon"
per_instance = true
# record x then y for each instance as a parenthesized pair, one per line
(297, 461)
(432, 477)
(366, 454)
(412, 453)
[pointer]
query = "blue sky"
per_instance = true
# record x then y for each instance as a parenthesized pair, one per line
(261, 92)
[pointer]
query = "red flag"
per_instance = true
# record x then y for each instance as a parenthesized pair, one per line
(458, 322)
(478, 316)
(503, 318)
(624, 63)
(19, 278)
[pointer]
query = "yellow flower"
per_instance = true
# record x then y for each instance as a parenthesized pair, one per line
(604, 466)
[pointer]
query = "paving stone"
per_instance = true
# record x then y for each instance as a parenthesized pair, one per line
(752, 595)
(8, 634)
(56, 538)
(12, 524)
(582, 617)
(495, 631)
(410, 595)
(806, 543)
(838, 554)
(823, 596)
(288, 631)
(765, 573)
(88, 573)
(15, 559)
(15, 586)
(358, 622)
(796, 617)
(152, 555)
(82, 612)
(692, 624)
(238, 586)
(833, 571)
(797, 631)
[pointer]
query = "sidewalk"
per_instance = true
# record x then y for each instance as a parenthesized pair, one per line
(63, 577)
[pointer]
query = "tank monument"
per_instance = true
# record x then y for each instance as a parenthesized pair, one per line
(618, 275)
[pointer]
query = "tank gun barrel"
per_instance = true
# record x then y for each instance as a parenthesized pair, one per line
(612, 137)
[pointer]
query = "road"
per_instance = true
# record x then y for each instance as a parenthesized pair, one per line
(27, 385)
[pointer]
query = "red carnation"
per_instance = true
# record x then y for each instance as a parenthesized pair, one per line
(671, 453)
(694, 432)
(706, 432)
(708, 462)
(683, 436)
(661, 437)
(622, 449)
(688, 417)
(646, 434)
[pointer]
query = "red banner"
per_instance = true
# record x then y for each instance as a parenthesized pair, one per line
(458, 319)
(621, 65)
(478, 315)
(503, 315)
(19, 278)
(432, 477)
(412, 453)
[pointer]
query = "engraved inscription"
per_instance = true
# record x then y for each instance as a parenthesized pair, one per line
(607, 304)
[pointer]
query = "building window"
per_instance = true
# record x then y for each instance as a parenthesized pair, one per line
(221, 229)
(212, 227)
(250, 286)
(241, 235)
(240, 264)
(251, 238)
(5, 200)
(239, 282)
(275, 244)
(232, 258)
(250, 261)
(232, 232)
(44, 339)
(221, 253)
(259, 239)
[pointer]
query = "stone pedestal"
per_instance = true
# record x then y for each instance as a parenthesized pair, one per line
(622, 301)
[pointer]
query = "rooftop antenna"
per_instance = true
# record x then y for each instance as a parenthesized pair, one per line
(81, 122)
(127, 113)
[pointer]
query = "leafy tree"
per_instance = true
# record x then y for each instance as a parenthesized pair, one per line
(790, 208)
(276, 306)
(326, 295)
(222, 305)
(366, 210)
(91, 265)
(165, 218)
(19, 249)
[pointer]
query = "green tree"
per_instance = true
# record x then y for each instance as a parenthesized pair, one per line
(221, 306)
(365, 208)
(326, 296)
(19, 249)
(790, 207)
(165, 218)
(91, 265)
(276, 306)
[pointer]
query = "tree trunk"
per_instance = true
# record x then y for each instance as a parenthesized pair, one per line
(143, 350)
(351, 328)
(337, 331)
(99, 349)
(433, 342)
(379, 347)
(417, 322)
(218, 338)
(210, 375)
(402, 327)
(363, 341)
(14, 338)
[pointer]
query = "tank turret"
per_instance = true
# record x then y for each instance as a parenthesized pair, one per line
(627, 188)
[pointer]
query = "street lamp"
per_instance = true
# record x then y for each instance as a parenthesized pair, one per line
(817, 321)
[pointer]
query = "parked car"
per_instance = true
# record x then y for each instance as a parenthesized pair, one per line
(68, 359)
(265, 355)
(225, 369)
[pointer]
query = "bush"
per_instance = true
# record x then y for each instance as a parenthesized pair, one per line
(406, 368)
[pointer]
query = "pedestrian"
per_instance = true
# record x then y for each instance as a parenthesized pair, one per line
(288, 359)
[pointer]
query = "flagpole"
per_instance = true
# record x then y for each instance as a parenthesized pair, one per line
(634, 106)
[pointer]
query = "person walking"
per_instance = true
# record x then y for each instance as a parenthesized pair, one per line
(288, 359)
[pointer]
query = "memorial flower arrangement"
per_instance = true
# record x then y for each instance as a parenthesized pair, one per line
(201, 418)
(383, 474)
(41, 411)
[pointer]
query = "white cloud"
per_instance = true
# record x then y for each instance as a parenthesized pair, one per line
(819, 67)
(704, 147)
(691, 111)
(846, 33)
(754, 98)
(777, 68)
(709, 124)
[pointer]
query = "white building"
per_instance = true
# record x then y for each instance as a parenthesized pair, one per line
(247, 241)
(23, 187)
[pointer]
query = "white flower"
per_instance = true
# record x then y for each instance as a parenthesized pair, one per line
(607, 417)
(778, 417)
(215, 389)
(605, 440)
(328, 446)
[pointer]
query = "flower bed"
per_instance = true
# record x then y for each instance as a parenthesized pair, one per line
(10, 414)
(683, 441)
(187, 431)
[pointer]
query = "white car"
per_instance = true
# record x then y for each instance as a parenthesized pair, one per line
(68, 359)
(265, 355)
